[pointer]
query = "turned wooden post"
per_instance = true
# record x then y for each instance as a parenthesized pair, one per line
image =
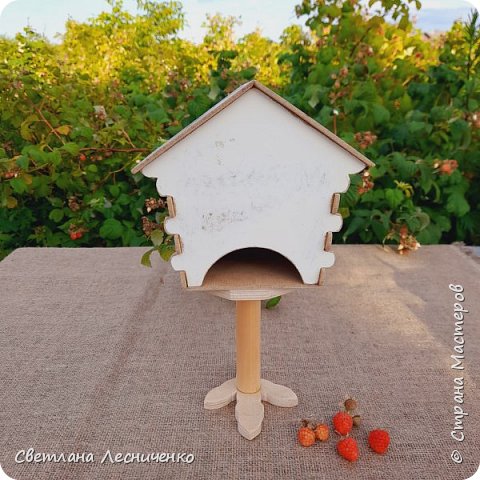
(248, 345)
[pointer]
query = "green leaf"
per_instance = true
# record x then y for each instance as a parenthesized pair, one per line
(364, 123)
(350, 197)
(325, 115)
(22, 161)
(56, 215)
(123, 111)
(405, 103)
(379, 230)
(54, 157)
(443, 223)
(426, 180)
(25, 131)
(461, 132)
(166, 251)
(18, 185)
(355, 224)
(416, 128)
(405, 167)
(38, 155)
(314, 100)
(394, 197)
(157, 114)
(111, 229)
(273, 302)
(64, 129)
(71, 148)
(248, 73)
(86, 133)
(199, 105)
(139, 100)
(404, 22)
(430, 235)
(457, 204)
(157, 237)
(145, 261)
(114, 190)
(380, 114)
(55, 202)
(41, 185)
(214, 91)
(63, 180)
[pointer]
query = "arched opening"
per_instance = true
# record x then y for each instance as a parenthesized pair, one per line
(253, 268)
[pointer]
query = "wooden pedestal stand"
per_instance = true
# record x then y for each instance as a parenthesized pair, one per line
(246, 281)
(248, 388)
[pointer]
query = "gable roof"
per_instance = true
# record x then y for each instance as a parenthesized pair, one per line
(236, 94)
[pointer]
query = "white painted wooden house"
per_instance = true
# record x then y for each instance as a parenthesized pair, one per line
(253, 171)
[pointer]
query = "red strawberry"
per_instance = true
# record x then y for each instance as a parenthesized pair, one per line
(348, 449)
(306, 437)
(73, 236)
(379, 440)
(343, 423)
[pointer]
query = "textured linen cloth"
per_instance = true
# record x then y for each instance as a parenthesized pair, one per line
(99, 353)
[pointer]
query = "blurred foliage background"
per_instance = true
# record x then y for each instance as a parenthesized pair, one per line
(75, 117)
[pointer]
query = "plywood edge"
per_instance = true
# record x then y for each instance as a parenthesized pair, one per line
(171, 214)
(239, 294)
(328, 241)
(183, 279)
(178, 244)
(335, 203)
(177, 240)
(321, 277)
(171, 207)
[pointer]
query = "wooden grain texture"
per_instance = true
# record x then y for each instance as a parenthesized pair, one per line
(335, 203)
(248, 313)
(328, 241)
(183, 279)
(171, 206)
(249, 413)
(253, 270)
(178, 244)
(221, 396)
(321, 277)
(176, 239)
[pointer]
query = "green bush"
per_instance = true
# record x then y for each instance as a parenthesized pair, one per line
(76, 116)
(411, 105)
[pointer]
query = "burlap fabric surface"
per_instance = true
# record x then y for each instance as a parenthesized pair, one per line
(99, 353)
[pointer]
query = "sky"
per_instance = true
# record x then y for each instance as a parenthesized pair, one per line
(271, 16)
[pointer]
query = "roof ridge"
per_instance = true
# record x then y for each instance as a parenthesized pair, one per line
(228, 100)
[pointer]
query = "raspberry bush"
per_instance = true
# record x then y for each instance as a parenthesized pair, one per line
(76, 116)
